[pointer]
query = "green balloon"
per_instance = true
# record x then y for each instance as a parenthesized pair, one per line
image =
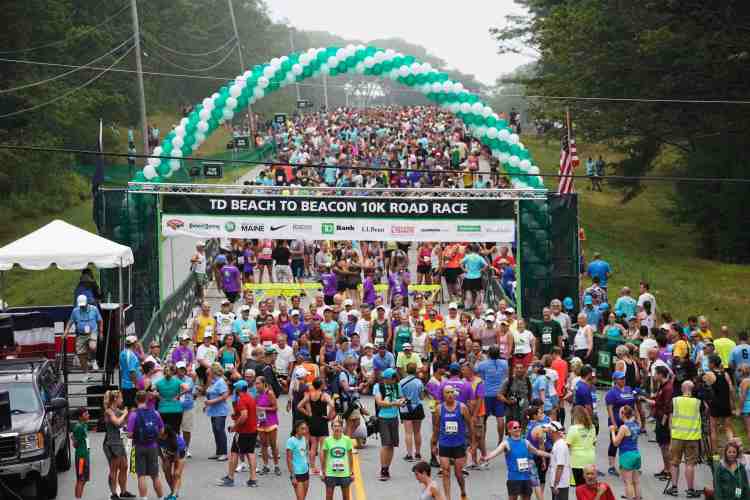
(377, 69)
(156, 179)
(163, 168)
(334, 72)
(242, 101)
(408, 60)
(286, 66)
(370, 51)
(398, 61)
(307, 73)
(387, 67)
(360, 54)
(322, 57)
(139, 177)
(410, 80)
(342, 67)
(217, 113)
(274, 86)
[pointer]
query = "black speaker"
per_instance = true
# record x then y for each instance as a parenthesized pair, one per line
(6, 423)
(6, 332)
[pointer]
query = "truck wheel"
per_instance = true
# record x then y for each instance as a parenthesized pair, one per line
(47, 485)
(62, 459)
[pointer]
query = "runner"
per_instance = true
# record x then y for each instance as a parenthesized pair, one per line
(114, 448)
(319, 409)
(430, 490)
(296, 459)
(244, 432)
(337, 461)
(268, 425)
(172, 451)
(388, 400)
(626, 439)
(412, 412)
(455, 432)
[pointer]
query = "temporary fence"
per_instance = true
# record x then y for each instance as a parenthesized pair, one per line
(172, 315)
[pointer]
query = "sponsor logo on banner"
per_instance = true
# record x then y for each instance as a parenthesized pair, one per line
(174, 224)
(430, 230)
(344, 227)
(327, 228)
(204, 226)
(403, 230)
(253, 228)
(276, 228)
(230, 226)
(306, 228)
(372, 229)
(498, 229)
(469, 228)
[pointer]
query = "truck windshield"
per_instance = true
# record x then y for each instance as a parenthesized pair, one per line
(23, 398)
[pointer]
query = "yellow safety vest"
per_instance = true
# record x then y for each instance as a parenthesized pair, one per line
(686, 419)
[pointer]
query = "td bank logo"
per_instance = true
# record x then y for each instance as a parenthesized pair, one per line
(230, 226)
(328, 228)
(469, 228)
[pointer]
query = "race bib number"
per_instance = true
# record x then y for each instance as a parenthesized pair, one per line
(522, 464)
(266, 251)
(262, 415)
(451, 427)
(229, 367)
(86, 329)
(426, 259)
(337, 465)
(546, 338)
(208, 331)
(246, 332)
(738, 492)
(240, 260)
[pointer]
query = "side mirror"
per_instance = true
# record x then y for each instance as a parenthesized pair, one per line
(59, 404)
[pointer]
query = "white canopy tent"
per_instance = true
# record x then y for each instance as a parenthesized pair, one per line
(69, 248)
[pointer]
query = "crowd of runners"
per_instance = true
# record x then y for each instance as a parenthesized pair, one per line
(470, 375)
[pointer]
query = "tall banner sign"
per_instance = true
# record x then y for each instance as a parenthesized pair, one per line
(339, 218)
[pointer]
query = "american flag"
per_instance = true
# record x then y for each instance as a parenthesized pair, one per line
(568, 163)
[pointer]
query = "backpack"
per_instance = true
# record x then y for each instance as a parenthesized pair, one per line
(146, 426)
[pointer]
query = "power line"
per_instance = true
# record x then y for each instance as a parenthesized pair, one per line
(67, 40)
(655, 178)
(153, 39)
(200, 70)
(67, 93)
(63, 75)
(397, 90)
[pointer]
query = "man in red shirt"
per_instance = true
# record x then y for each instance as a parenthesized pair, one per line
(561, 367)
(245, 431)
(269, 333)
(593, 489)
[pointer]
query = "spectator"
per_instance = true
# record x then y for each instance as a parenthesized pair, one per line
(686, 436)
(593, 489)
(730, 475)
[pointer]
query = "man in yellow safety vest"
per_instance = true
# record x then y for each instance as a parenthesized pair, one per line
(686, 436)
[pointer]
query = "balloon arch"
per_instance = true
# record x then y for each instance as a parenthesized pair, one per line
(263, 79)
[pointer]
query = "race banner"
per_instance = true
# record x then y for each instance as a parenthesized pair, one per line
(322, 206)
(287, 228)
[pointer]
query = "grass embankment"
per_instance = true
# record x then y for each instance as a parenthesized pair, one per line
(53, 286)
(641, 243)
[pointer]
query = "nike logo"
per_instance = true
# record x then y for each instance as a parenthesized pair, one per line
(276, 228)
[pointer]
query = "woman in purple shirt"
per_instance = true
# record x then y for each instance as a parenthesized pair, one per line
(231, 280)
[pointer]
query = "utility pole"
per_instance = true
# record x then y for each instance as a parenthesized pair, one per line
(139, 73)
(242, 64)
(291, 46)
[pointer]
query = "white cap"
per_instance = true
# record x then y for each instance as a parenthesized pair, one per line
(489, 312)
(131, 339)
(348, 302)
(180, 364)
(244, 308)
(82, 300)
(184, 336)
(510, 310)
(300, 372)
(490, 317)
(452, 305)
(295, 312)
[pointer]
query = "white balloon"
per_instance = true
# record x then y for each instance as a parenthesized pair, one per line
(427, 67)
(202, 125)
(360, 68)
(247, 74)
(390, 53)
(269, 71)
(459, 87)
(465, 107)
(455, 107)
(149, 172)
(504, 157)
(157, 151)
(525, 164)
(437, 87)
(231, 103)
(289, 79)
(486, 111)
(534, 170)
(275, 62)
(205, 114)
(325, 69)
(414, 67)
(228, 114)
(177, 142)
(481, 130)
(504, 134)
(235, 90)
(514, 138)
(214, 96)
(332, 61)
(200, 138)
(179, 130)
(514, 161)
(258, 93)
(297, 69)
(369, 62)
(393, 74)
(153, 161)
(283, 59)
(176, 152)
(263, 82)
(403, 71)
(184, 122)
(492, 133)
(304, 58)
(477, 107)
(174, 164)
(351, 48)
(446, 86)
(379, 57)
(208, 102)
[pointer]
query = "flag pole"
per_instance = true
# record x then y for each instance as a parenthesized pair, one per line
(567, 122)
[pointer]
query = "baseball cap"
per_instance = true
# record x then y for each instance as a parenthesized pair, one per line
(295, 312)
(510, 310)
(270, 350)
(407, 346)
(381, 306)
(489, 312)
(131, 339)
(304, 353)
(180, 364)
(348, 302)
(208, 335)
(513, 424)
(389, 373)
(184, 336)
(82, 300)
(381, 345)
(490, 318)
(555, 426)
(452, 305)
(618, 375)
(587, 300)
(370, 345)
(155, 344)
(300, 372)
(568, 303)
(245, 308)
(225, 302)
(454, 367)
(240, 385)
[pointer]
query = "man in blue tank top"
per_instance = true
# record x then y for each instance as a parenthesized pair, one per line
(454, 434)
(518, 459)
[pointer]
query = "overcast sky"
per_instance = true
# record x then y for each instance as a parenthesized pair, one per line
(455, 31)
